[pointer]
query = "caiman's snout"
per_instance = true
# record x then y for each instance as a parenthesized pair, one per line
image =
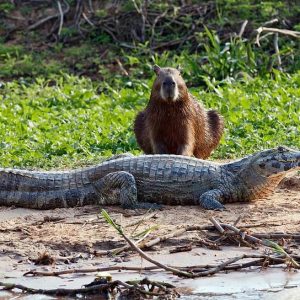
(279, 160)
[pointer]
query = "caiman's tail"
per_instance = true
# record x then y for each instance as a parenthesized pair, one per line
(46, 190)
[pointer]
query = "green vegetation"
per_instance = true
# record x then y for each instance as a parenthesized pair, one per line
(65, 121)
(65, 103)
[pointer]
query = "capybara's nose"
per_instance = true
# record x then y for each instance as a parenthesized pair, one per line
(169, 82)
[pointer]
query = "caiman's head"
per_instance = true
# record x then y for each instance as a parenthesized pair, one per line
(275, 162)
(168, 85)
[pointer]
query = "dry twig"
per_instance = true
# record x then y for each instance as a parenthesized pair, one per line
(88, 270)
(276, 235)
(44, 20)
(229, 265)
(243, 27)
(136, 286)
(183, 248)
(64, 292)
(197, 269)
(277, 51)
(217, 225)
(61, 13)
(157, 263)
(295, 34)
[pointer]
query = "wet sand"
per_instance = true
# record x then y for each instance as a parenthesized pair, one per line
(72, 237)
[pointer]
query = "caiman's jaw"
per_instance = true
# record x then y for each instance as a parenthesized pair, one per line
(276, 161)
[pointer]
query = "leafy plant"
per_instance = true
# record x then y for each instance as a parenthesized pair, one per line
(6, 7)
(63, 121)
(280, 251)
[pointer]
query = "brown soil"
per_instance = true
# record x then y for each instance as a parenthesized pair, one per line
(76, 233)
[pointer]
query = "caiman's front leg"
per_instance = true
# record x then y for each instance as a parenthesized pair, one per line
(125, 182)
(211, 200)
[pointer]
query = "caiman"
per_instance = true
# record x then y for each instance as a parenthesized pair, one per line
(134, 181)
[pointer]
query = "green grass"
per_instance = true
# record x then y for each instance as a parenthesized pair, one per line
(49, 119)
(67, 122)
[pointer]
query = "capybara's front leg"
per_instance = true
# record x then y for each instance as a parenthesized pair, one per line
(185, 149)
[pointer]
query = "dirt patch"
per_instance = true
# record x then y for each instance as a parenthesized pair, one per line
(291, 183)
(66, 232)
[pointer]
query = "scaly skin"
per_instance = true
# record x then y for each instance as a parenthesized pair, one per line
(164, 179)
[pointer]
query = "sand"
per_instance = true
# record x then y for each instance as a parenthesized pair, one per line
(72, 236)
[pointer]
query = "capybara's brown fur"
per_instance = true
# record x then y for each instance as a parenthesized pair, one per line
(174, 122)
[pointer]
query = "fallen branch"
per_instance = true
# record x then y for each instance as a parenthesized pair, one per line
(154, 24)
(275, 247)
(292, 33)
(270, 22)
(243, 234)
(176, 233)
(163, 238)
(228, 266)
(276, 47)
(221, 230)
(64, 292)
(88, 20)
(243, 27)
(237, 220)
(157, 263)
(219, 267)
(260, 259)
(275, 235)
(42, 21)
(136, 286)
(183, 248)
(89, 270)
(195, 269)
(138, 222)
(207, 243)
(61, 14)
(217, 225)
(126, 247)
(140, 252)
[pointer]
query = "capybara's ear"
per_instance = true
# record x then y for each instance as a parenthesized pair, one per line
(179, 68)
(156, 69)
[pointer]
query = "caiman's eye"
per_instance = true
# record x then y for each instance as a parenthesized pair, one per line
(281, 149)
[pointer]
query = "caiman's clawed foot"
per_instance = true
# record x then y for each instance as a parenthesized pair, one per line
(210, 200)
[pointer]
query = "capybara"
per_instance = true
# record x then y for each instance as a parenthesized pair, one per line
(174, 122)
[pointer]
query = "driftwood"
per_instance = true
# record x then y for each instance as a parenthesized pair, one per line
(151, 260)
(294, 34)
(288, 259)
(212, 270)
(259, 259)
(142, 287)
(183, 248)
(226, 230)
(276, 31)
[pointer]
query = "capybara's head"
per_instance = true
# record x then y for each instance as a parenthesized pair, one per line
(168, 85)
